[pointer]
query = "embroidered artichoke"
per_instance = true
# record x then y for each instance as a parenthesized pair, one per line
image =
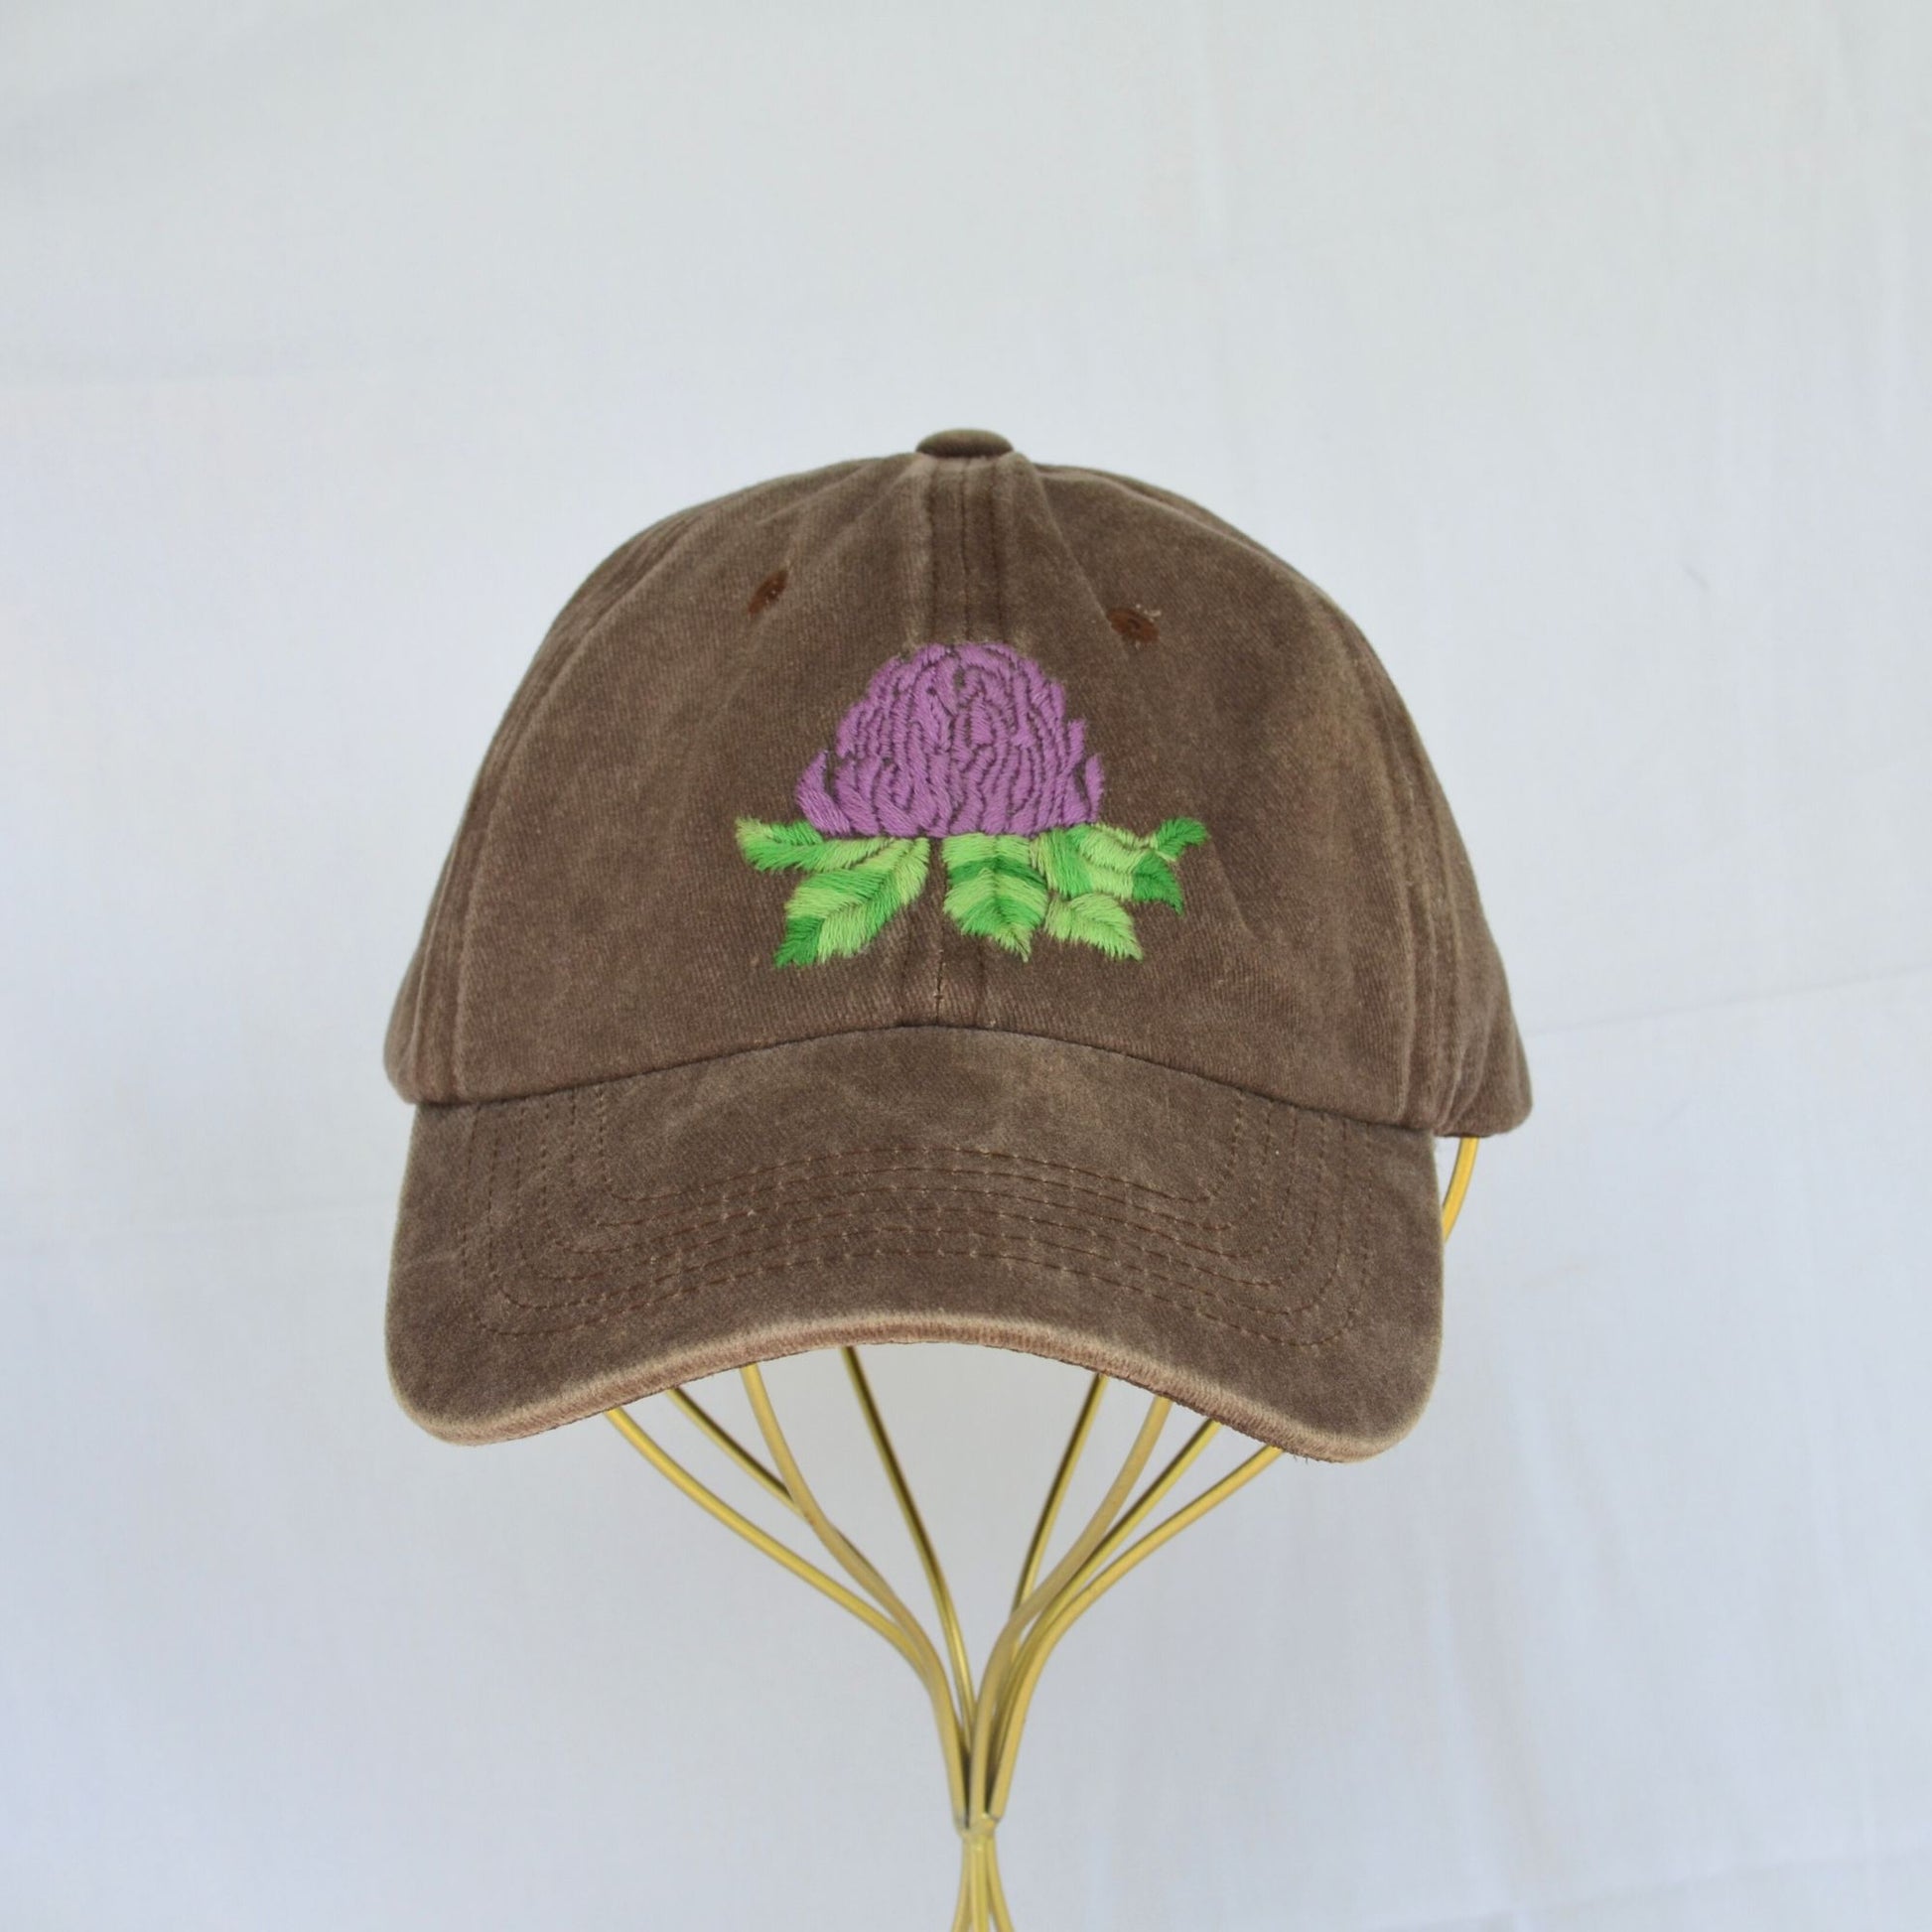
(971, 745)
(958, 738)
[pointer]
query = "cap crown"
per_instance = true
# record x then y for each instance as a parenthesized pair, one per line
(771, 653)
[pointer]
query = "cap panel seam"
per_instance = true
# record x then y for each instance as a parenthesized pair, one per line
(961, 475)
(991, 495)
(932, 630)
(1058, 1040)
(976, 480)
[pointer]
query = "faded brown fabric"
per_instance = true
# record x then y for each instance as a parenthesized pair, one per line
(644, 1152)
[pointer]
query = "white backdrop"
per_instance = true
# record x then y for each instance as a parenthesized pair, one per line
(1579, 349)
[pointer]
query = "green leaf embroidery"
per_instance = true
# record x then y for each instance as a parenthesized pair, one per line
(833, 913)
(800, 847)
(1072, 882)
(1176, 835)
(1094, 919)
(1110, 857)
(1057, 856)
(994, 892)
(1153, 879)
(1133, 864)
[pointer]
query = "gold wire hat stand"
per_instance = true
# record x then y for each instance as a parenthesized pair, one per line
(980, 1724)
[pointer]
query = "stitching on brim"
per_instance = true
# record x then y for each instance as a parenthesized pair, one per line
(610, 1305)
(548, 1224)
(752, 1200)
(745, 1202)
(835, 1156)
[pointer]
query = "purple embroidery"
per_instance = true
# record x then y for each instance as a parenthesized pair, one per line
(969, 745)
(958, 738)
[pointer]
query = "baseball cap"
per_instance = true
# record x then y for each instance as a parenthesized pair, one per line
(944, 897)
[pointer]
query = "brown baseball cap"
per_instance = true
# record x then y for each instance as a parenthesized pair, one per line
(944, 897)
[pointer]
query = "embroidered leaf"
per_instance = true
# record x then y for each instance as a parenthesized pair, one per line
(1111, 855)
(1176, 835)
(1094, 919)
(994, 892)
(1153, 879)
(1074, 880)
(799, 847)
(768, 847)
(834, 913)
(1133, 864)
(1056, 853)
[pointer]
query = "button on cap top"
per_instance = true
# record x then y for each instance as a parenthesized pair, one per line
(965, 442)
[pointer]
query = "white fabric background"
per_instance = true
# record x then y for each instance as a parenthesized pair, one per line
(1579, 349)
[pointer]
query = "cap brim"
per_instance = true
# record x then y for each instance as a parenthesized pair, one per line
(1274, 1267)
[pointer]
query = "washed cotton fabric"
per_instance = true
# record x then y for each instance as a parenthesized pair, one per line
(646, 1152)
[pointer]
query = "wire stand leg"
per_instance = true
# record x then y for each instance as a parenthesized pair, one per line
(981, 1723)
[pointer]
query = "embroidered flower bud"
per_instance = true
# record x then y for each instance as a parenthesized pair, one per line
(969, 745)
(956, 739)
